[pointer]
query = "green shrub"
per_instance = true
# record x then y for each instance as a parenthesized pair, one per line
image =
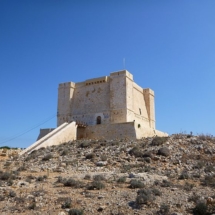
(200, 209)
(87, 177)
(166, 183)
(90, 156)
(156, 192)
(10, 182)
(99, 178)
(47, 157)
(157, 141)
(147, 168)
(20, 200)
(126, 168)
(84, 144)
(64, 152)
(5, 147)
(60, 179)
(67, 203)
(200, 165)
(209, 181)
(40, 178)
(209, 169)
(75, 212)
(206, 137)
(5, 176)
(184, 175)
(96, 185)
(37, 193)
(121, 179)
(164, 209)
(144, 196)
(32, 206)
(136, 152)
(136, 184)
(22, 168)
(188, 186)
(12, 193)
(7, 164)
(72, 183)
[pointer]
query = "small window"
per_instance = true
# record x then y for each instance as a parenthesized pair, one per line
(98, 120)
(140, 111)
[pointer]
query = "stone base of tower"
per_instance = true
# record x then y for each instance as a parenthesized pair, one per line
(127, 130)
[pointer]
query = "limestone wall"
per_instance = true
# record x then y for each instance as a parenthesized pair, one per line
(44, 132)
(140, 111)
(111, 131)
(142, 131)
(150, 106)
(128, 130)
(91, 101)
(61, 134)
(118, 97)
(115, 98)
(65, 95)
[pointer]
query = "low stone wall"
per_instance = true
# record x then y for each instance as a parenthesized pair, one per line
(128, 130)
(44, 132)
(147, 132)
(111, 131)
(61, 134)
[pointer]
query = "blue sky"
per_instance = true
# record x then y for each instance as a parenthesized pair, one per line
(168, 45)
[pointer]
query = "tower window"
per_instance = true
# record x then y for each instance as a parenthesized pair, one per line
(98, 120)
(140, 111)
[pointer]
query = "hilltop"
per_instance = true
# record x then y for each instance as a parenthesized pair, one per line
(160, 175)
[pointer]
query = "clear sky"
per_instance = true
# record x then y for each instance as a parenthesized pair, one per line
(168, 45)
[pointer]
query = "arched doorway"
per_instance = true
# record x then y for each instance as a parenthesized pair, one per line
(98, 120)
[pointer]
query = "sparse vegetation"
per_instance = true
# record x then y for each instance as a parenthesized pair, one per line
(72, 183)
(209, 180)
(209, 168)
(75, 181)
(200, 209)
(136, 152)
(84, 144)
(144, 196)
(5, 147)
(99, 178)
(66, 203)
(188, 186)
(90, 156)
(32, 206)
(96, 185)
(87, 177)
(41, 178)
(184, 175)
(47, 157)
(164, 209)
(206, 137)
(75, 212)
(136, 184)
(157, 141)
(121, 180)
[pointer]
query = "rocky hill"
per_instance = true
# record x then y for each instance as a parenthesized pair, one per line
(172, 175)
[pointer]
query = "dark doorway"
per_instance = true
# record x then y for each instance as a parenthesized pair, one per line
(98, 120)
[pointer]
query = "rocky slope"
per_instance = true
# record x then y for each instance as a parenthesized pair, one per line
(166, 176)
